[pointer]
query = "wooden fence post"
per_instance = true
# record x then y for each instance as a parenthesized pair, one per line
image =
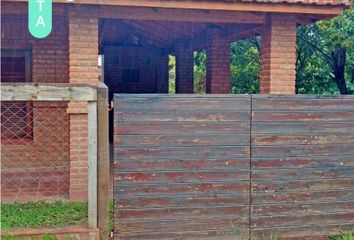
(103, 161)
(92, 164)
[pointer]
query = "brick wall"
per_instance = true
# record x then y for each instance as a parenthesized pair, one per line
(184, 68)
(218, 63)
(38, 167)
(83, 57)
(83, 48)
(278, 55)
(50, 55)
(78, 151)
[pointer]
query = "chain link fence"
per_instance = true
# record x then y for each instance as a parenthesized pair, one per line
(35, 151)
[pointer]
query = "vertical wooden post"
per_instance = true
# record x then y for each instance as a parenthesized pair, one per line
(92, 163)
(103, 161)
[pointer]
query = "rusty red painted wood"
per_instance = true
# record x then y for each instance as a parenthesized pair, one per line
(302, 165)
(181, 167)
(224, 166)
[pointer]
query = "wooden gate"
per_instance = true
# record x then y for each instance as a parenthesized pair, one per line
(182, 166)
(233, 166)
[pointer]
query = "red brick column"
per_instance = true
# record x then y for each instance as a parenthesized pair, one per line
(184, 68)
(278, 55)
(218, 63)
(162, 80)
(83, 58)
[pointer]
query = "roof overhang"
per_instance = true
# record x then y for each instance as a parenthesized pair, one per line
(319, 9)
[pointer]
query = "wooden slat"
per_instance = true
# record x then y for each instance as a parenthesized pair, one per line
(187, 165)
(181, 166)
(182, 201)
(302, 165)
(183, 128)
(183, 140)
(173, 189)
(181, 116)
(270, 199)
(47, 92)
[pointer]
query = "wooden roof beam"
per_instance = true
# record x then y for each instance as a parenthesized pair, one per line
(181, 15)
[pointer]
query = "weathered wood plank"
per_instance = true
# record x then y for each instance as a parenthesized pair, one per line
(339, 115)
(172, 128)
(156, 165)
(182, 188)
(180, 177)
(182, 153)
(173, 213)
(181, 166)
(302, 150)
(301, 185)
(302, 208)
(181, 161)
(92, 164)
(264, 198)
(319, 127)
(303, 219)
(184, 140)
(302, 165)
(285, 162)
(47, 92)
(305, 104)
(182, 201)
(195, 235)
(180, 116)
(308, 139)
(303, 174)
(206, 103)
(202, 224)
(302, 230)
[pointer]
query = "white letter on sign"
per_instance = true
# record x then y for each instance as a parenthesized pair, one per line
(40, 21)
(40, 4)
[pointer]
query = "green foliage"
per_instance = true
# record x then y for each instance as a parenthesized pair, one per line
(325, 63)
(172, 74)
(48, 236)
(245, 66)
(325, 60)
(111, 215)
(42, 214)
(200, 72)
(346, 236)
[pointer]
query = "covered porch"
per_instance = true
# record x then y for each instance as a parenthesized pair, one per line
(127, 46)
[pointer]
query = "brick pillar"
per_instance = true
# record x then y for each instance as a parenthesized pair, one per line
(83, 58)
(218, 63)
(162, 79)
(184, 68)
(278, 55)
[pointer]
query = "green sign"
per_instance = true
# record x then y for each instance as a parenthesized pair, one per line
(40, 17)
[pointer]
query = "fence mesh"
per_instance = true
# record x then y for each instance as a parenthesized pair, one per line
(35, 151)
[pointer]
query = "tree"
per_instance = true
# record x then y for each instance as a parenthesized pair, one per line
(325, 55)
(200, 72)
(172, 74)
(245, 66)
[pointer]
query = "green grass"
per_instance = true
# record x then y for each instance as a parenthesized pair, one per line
(42, 214)
(111, 215)
(346, 236)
